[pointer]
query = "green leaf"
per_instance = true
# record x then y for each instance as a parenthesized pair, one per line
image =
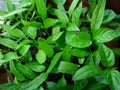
(66, 55)
(62, 2)
(1, 54)
(87, 71)
(13, 31)
(76, 14)
(41, 56)
(109, 16)
(41, 8)
(11, 56)
(61, 82)
(73, 27)
(9, 5)
(79, 52)
(17, 74)
(61, 15)
(81, 40)
(98, 14)
(48, 22)
(54, 61)
(116, 51)
(35, 66)
(32, 23)
(14, 12)
(8, 43)
(56, 33)
(72, 7)
(32, 85)
(113, 79)
(43, 44)
(105, 35)
(107, 56)
(67, 67)
(32, 32)
(24, 49)
(26, 71)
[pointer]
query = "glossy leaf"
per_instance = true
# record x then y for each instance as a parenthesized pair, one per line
(113, 79)
(17, 11)
(35, 66)
(48, 22)
(54, 62)
(41, 56)
(107, 56)
(79, 52)
(32, 32)
(109, 16)
(62, 2)
(56, 33)
(17, 74)
(13, 31)
(41, 8)
(35, 83)
(72, 7)
(98, 14)
(24, 49)
(87, 71)
(66, 55)
(61, 82)
(26, 71)
(76, 14)
(105, 35)
(32, 23)
(73, 27)
(8, 43)
(81, 40)
(11, 56)
(67, 67)
(43, 44)
(116, 51)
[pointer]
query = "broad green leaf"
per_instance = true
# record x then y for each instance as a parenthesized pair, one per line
(98, 14)
(107, 56)
(32, 32)
(35, 66)
(82, 40)
(17, 11)
(87, 71)
(9, 5)
(79, 52)
(62, 2)
(92, 5)
(81, 60)
(66, 55)
(26, 71)
(116, 51)
(105, 35)
(76, 14)
(109, 15)
(48, 49)
(113, 79)
(51, 85)
(1, 54)
(11, 56)
(13, 31)
(41, 56)
(73, 27)
(8, 43)
(67, 67)
(95, 86)
(72, 7)
(35, 83)
(54, 62)
(32, 23)
(80, 84)
(56, 33)
(61, 15)
(61, 82)
(17, 74)
(41, 8)
(48, 22)
(24, 49)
